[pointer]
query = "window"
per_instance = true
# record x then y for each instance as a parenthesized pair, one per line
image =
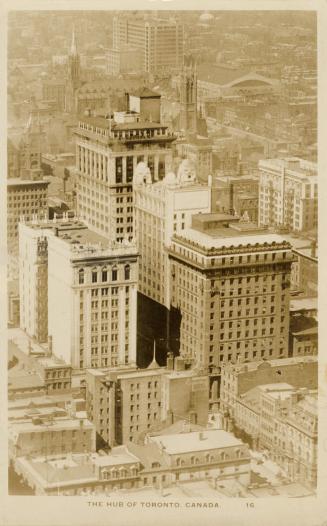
(127, 271)
(94, 276)
(104, 275)
(81, 276)
(114, 274)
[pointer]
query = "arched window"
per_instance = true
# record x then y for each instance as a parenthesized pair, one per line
(81, 276)
(94, 275)
(114, 273)
(127, 271)
(104, 275)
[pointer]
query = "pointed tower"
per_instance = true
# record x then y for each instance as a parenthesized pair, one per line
(154, 364)
(188, 96)
(74, 63)
(31, 147)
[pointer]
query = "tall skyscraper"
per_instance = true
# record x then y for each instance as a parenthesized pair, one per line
(160, 41)
(231, 284)
(108, 150)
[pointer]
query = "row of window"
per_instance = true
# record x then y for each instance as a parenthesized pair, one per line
(96, 276)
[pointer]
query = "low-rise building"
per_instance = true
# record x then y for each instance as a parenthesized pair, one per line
(174, 458)
(282, 421)
(81, 474)
(237, 379)
(127, 403)
(49, 436)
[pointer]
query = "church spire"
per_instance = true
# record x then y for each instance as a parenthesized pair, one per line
(154, 364)
(73, 47)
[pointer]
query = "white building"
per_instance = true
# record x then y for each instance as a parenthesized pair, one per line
(288, 193)
(91, 293)
(162, 209)
(107, 153)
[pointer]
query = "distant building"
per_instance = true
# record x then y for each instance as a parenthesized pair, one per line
(55, 91)
(159, 40)
(236, 304)
(238, 194)
(288, 194)
(198, 150)
(188, 97)
(91, 292)
(126, 59)
(127, 403)
(27, 191)
(215, 81)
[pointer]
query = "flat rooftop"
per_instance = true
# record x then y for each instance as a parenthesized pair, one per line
(57, 425)
(227, 237)
(280, 362)
(118, 455)
(15, 181)
(189, 442)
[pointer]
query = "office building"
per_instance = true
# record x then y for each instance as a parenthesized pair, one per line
(288, 194)
(162, 209)
(108, 151)
(91, 292)
(124, 60)
(159, 40)
(231, 285)
(236, 195)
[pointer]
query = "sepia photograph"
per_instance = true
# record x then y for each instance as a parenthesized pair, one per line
(161, 184)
